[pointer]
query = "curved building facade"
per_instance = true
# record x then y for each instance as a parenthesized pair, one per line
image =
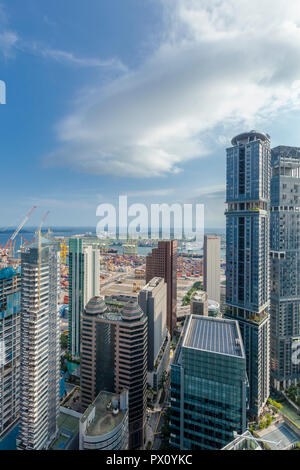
(104, 425)
(114, 358)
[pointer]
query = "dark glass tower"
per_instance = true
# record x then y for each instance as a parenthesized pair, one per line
(208, 385)
(163, 263)
(247, 255)
(285, 266)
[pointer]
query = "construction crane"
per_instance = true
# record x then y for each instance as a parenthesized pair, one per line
(11, 239)
(10, 244)
(24, 242)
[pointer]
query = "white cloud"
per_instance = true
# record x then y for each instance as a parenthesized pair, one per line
(65, 57)
(150, 192)
(221, 61)
(8, 40)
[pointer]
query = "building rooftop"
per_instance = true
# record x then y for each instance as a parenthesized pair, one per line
(44, 242)
(250, 136)
(68, 426)
(105, 420)
(286, 151)
(243, 442)
(153, 283)
(199, 296)
(95, 306)
(214, 335)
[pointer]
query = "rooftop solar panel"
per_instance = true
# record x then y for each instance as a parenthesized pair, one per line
(214, 335)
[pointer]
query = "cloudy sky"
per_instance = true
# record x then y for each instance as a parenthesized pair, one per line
(109, 97)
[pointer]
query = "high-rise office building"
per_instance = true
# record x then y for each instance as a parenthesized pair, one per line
(208, 385)
(163, 263)
(84, 283)
(153, 301)
(10, 304)
(114, 357)
(247, 255)
(211, 266)
(40, 345)
(285, 266)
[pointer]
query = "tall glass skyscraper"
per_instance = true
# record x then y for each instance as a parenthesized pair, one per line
(285, 266)
(84, 283)
(208, 385)
(247, 255)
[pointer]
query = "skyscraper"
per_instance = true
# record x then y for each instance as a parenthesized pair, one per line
(114, 357)
(10, 297)
(285, 266)
(84, 283)
(208, 385)
(40, 345)
(247, 255)
(163, 263)
(153, 301)
(211, 266)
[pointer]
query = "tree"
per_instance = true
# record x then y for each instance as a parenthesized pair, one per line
(64, 340)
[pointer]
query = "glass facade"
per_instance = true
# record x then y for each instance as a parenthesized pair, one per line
(247, 255)
(285, 266)
(208, 396)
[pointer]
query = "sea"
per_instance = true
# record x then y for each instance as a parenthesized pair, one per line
(29, 233)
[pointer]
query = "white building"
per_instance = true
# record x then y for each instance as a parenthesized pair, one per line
(10, 286)
(211, 266)
(153, 301)
(40, 346)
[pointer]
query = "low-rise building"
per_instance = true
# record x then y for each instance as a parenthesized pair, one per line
(199, 303)
(104, 425)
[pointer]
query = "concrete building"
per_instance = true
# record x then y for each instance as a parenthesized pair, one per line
(153, 301)
(163, 263)
(84, 283)
(213, 308)
(67, 437)
(208, 385)
(285, 266)
(40, 345)
(211, 266)
(247, 255)
(104, 425)
(10, 305)
(199, 303)
(114, 357)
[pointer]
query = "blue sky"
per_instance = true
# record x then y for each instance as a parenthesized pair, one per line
(139, 98)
